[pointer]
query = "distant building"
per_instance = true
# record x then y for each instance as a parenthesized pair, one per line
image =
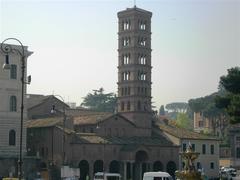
(72, 105)
(10, 111)
(207, 146)
(234, 137)
(201, 124)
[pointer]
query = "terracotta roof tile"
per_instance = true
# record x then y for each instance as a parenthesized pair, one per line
(47, 122)
(95, 139)
(183, 133)
(91, 118)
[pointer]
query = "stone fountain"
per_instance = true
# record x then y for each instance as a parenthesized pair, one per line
(189, 172)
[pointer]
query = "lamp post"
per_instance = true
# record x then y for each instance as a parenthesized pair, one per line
(64, 124)
(7, 48)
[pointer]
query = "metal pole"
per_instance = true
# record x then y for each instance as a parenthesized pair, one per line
(64, 138)
(22, 108)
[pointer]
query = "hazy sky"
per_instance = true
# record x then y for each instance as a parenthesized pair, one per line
(74, 42)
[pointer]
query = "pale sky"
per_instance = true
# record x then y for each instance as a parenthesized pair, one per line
(74, 42)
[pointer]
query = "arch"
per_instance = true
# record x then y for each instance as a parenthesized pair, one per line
(13, 104)
(157, 166)
(171, 168)
(141, 156)
(98, 166)
(114, 167)
(12, 138)
(84, 169)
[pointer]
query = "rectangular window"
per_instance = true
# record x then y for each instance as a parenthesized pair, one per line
(212, 149)
(122, 106)
(184, 147)
(238, 138)
(212, 165)
(129, 90)
(193, 147)
(238, 152)
(200, 123)
(204, 149)
(13, 71)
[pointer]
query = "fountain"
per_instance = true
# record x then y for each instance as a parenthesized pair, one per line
(189, 172)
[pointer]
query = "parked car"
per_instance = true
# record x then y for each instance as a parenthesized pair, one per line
(157, 176)
(228, 172)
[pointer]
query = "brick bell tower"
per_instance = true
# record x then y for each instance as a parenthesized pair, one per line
(134, 67)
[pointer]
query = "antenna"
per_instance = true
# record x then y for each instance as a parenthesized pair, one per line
(134, 3)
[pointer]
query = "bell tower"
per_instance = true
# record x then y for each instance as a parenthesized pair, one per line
(134, 66)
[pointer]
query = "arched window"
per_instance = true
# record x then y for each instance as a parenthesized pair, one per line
(12, 138)
(13, 104)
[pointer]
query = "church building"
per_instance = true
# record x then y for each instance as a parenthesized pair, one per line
(124, 142)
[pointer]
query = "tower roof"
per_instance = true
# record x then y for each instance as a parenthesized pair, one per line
(134, 9)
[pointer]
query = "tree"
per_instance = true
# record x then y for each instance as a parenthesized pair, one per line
(183, 121)
(162, 110)
(230, 100)
(99, 101)
(177, 107)
(207, 107)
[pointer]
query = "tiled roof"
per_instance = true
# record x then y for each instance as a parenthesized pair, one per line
(91, 118)
(34, 99)
(183, 133)
(47, 122)
(95, 139)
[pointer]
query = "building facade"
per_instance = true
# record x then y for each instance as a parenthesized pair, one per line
(10, 111)
(234, 138)
(207, 146)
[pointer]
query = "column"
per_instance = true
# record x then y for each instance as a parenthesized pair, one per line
(91, 170)
(124, 170)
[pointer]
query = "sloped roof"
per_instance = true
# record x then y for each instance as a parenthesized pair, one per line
(183, 133)
(47, 122)
(91, 118)
(92, 138)
(34, 99)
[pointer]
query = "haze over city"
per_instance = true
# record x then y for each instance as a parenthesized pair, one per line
(75, 44)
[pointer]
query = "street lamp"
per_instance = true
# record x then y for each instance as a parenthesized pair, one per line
(7, 48)
(53, 110)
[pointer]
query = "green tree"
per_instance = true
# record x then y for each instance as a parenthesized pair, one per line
(162, 110)
(207, 107)
(99, 101)
(230, 100)
(183, 121)
(177, 107)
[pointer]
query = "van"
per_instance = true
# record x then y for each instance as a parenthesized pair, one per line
(157, 176)
(106, 176)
